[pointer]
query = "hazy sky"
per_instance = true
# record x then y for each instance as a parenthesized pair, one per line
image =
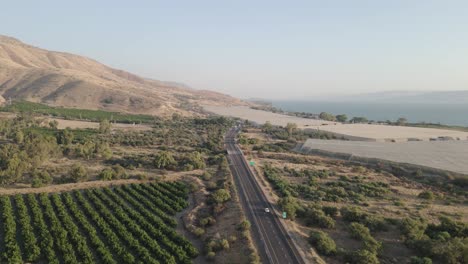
(269, 49)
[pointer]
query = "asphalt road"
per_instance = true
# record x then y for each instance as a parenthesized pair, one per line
(272, 240)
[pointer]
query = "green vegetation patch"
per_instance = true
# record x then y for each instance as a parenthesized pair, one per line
(74, 113)
(124, 224)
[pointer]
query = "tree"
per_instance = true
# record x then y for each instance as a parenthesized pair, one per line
(341, 118)
(103, 150)
(289, 205)
(290, 127)
(402, 121)
(322, 242)
(364, 256)
(87, 149)
(65, 137)
(327, 116)
(359, 119)
(196, 160)
(164, 160)
(221, 196)
(78, 173)
(105, 126)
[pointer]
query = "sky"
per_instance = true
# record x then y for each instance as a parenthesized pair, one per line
(260, 49)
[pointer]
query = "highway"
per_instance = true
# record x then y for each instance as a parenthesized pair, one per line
(273, 242)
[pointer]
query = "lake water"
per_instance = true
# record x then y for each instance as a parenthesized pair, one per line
(448, 114)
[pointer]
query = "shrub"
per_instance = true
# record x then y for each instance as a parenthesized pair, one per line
(317, 217)
(141, 176)
(352, 214)
(119, 172)
(224, 244)
(331, 211)
(78, 173)
(206, 176)
(244, 225)
(363, 257)
(37, 182)
(199, 231)
(207, 221)
(418, 260)
(221, 196)
(427, 195)
(412, 228)
(210, 255)
(322, 242)
(359, 231)
(106, 174)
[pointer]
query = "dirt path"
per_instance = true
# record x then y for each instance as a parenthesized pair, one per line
(91, 184)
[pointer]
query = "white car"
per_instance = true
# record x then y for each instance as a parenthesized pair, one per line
(267, 210)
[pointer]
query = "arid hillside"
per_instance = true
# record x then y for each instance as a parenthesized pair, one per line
(63, 79)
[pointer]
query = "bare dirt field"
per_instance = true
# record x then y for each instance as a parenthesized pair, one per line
(260, 117)
(367, 132)
(445, 155)
(361, 132)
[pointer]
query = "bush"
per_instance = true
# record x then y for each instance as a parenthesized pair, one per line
(331, 211)
(141, 176)
(207, 221)
(427, 195)
(224, 244)
(317, 217)
(354, 214)
(36, 183)
(78, 173)
(418, 260)
(206, 176)
(363, 257)
(210, 255)
(106, 174)
(244, 225)
(322, 242)
(221, 196)
(198, 231)
(40, 179)
(359, 231)
(119, 172)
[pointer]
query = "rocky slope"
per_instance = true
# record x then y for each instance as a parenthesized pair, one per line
(63, 79)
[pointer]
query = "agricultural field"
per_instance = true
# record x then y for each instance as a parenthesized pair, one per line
(341, 212)
(74, 113)
(125, 224)
(40, 154)
(444, 155)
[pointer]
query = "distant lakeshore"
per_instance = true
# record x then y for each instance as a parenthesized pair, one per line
(447, 114)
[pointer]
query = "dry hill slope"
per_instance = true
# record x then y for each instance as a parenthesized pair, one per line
(64, 79)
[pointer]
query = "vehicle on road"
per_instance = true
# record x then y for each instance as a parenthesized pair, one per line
(267, 210)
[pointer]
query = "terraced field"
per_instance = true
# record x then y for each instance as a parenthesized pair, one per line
(125, 224)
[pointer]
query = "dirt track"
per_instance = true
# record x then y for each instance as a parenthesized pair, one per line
(90, 184)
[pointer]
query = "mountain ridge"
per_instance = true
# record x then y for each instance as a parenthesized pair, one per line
(69, 80)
